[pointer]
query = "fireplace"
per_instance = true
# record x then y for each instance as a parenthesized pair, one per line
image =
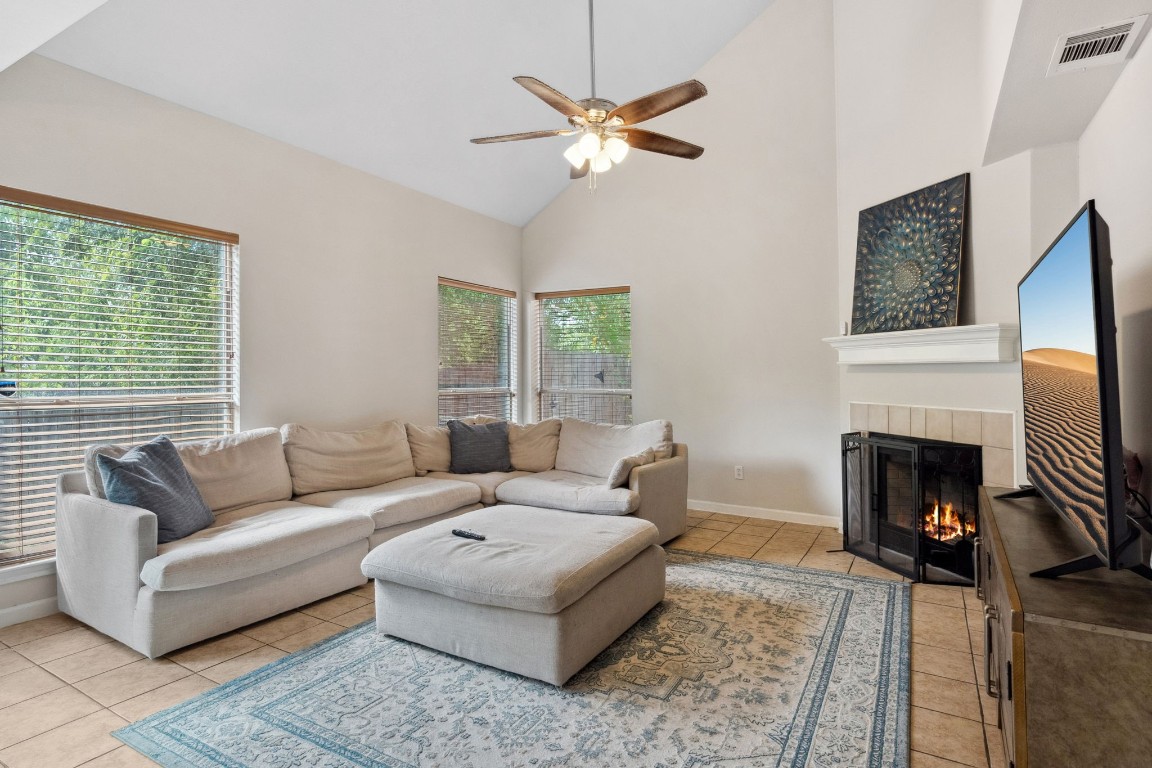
(910, 504)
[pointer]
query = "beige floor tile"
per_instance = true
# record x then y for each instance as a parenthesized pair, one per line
(364, 590)
(862, 567)
(939, 594)
(746, 539)
(43, 713)
(815, 530)
(948, 736)
(707, 534)
(943, 615)
(733, 550)
(212, 652)
(989, 706)
(122, 757)
(334, 606)
(924, 760)
(691, 544)
(163, 697)
(92, 662)
(938, 636)
(758, 528)
(727, 518)
(26, 684)
(37, 628)
(308, 637)
(943, 695)
(971, 602)
(61, 644)
(779, 557)
(279, 626)
(233, 668)
(359, 616)
(133, 679)
(954, 665)
(10, 662)
(996, 755)
(716, 525)
(824, 562)
(67, 746)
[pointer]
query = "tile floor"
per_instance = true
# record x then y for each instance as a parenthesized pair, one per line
(64, 687)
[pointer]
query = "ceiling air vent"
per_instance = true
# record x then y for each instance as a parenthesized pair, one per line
(1096, 47)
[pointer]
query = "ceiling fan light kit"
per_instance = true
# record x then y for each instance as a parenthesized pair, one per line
(605, 131)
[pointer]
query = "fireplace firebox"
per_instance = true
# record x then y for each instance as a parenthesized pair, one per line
(910, 505)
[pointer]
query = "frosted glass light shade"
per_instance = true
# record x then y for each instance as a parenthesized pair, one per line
(602, 163)
(575, 156)
(617, 149)
(589, 145)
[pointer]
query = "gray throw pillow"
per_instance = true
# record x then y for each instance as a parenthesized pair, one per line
(152, 477)
(479, 447)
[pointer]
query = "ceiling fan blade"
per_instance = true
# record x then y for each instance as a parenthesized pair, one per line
(647, 107)
(579, 173)
(522, 136)
(552, 97)
(651, 141)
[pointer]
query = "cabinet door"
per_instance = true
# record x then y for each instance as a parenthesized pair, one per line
(1004, 651)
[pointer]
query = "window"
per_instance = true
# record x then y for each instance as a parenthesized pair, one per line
(584, 355)
(477, 350)
(113, 328)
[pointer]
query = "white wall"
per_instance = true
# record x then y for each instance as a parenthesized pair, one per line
(912, 110)
(338, 269)
(1116, 169)
(731, 260)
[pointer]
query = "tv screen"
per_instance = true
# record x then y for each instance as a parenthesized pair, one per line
(1071, 395)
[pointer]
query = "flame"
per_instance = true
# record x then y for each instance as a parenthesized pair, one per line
(945, 524)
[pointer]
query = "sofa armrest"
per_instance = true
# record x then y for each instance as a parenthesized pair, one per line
(100, 548)
(663, 490)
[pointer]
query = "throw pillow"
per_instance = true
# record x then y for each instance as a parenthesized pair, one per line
(431, 450)
(152, 477)
(623, 467)
(479, 447)
(533, 446)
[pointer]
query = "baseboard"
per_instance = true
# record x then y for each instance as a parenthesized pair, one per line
(37, 609)
(763, 513)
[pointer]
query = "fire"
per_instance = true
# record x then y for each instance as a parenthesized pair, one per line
(945, 524)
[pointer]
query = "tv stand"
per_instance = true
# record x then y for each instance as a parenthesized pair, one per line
(1069, 660)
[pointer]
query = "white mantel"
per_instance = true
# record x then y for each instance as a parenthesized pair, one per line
(991, 343)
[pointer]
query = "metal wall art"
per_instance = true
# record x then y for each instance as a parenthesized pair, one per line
(908, 260)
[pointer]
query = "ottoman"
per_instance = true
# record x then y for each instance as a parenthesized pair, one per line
(541, 596)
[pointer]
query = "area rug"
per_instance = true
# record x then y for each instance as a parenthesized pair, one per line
(743, 664)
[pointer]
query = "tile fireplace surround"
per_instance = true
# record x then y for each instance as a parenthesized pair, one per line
(993, 431)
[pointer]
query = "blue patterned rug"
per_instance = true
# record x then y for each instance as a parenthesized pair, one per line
(743, 664)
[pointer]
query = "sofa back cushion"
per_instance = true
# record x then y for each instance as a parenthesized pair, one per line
(324, 460)
(431, 450)
(593, 449)
(533, 446)
(230, 472)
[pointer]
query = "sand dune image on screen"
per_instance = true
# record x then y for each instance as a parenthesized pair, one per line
(1062, 411)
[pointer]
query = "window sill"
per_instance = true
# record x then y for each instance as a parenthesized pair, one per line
(26, 571)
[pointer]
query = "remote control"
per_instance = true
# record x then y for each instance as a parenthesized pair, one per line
(464, 533)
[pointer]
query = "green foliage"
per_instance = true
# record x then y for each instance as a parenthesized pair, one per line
(474, 327)
(600, 324)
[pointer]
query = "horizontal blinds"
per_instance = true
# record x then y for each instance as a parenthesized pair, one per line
(584, 355)
(477, 372)
(110, 331)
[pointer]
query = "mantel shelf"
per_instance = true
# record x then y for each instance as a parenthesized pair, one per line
(992, 343)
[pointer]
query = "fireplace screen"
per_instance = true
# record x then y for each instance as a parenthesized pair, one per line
(910, 505)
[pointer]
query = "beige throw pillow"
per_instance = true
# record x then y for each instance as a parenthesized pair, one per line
(431, 449)
(533, 446)
(622, 469)
(592, 449)
(323, 460)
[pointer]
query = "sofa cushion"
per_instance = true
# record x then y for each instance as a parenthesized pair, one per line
(400, 501)
(556, 489)
(533, 446)
(479, 447)
(324, 460)
(624, 466)
(431, 450)
(592, 449)
(537, 560)
(486, 481)
(152, 477)
(250, 541)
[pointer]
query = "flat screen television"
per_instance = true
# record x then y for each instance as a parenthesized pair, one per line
(1072, 397)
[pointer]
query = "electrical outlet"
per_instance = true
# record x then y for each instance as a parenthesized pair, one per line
(739, 471)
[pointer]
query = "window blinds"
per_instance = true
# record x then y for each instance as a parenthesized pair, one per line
(584, 355)
(477, 351)
(113, 328)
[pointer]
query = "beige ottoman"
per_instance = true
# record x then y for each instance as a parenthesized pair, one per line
(541, 596)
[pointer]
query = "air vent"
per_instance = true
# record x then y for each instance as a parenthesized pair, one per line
(1096, 47)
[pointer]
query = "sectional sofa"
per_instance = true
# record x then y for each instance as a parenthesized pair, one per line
(297, 509)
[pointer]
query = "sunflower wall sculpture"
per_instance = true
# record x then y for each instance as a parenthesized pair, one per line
(908, 260)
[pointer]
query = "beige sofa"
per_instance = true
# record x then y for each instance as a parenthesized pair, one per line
(297, 509)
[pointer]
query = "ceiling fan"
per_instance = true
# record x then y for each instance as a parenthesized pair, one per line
(606, 131)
